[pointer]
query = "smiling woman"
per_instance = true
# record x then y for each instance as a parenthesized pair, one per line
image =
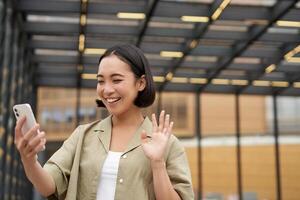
(128, 61)
(122, 79)
(124, 156)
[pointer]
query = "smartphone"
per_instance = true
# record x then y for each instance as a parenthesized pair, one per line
(21, 110)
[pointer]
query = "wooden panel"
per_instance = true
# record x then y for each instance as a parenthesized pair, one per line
(258, 170)
(192, 155)
(219, 170)
(253, 114)
(217, 114)
(290, 173)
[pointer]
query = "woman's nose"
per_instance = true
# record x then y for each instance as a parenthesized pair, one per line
(108, 88)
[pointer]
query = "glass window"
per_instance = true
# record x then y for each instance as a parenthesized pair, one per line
(151, 109)
(56, 111)
(289, 115)
(89, 111)
(181, 107)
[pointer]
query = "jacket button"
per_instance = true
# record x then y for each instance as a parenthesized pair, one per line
(120, 180)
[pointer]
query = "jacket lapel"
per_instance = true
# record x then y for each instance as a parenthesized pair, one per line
(136, 139)
(104, 128)
(104, 132)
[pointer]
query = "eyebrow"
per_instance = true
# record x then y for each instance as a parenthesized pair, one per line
(101, 76)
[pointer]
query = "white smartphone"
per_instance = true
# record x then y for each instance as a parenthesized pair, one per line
(21, 110)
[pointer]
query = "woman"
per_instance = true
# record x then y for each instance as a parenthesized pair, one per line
(125, 156)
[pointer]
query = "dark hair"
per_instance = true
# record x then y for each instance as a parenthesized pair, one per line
(139, 65)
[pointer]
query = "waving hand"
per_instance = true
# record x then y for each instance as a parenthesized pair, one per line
(154, 147)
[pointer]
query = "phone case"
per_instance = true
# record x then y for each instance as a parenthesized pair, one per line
(25, 110)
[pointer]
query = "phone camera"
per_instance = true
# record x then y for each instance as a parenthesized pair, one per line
(16, 110)
(17, 114)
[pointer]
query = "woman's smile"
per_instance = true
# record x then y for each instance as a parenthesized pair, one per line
(112, 100)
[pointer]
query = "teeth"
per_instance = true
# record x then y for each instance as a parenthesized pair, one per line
(111, 100)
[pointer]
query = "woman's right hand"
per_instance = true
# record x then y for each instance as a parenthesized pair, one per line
(30, 143)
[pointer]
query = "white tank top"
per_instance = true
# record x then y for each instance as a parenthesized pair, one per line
(108, 180)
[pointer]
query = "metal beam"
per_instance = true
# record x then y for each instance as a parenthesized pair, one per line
(48, 6)
(275, 61)
(149, 14)
(47, 44)
(277, 148)
(278, 11)
(199, 31)
(295, 78)
(199, 147)
(81, 46)
(238, 147)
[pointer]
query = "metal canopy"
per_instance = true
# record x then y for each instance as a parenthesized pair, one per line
(252, 47)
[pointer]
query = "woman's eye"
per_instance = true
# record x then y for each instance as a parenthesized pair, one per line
(117, 81)
(100, 81)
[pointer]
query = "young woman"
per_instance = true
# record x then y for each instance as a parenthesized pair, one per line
(125, 156)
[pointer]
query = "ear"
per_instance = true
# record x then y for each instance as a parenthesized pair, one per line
(141, 83)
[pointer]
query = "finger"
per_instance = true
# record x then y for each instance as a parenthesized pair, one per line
(27, 149)
(34, 142)
(167, 123)
(32, 132)
(37, 149)
(164, 131)
(154, 123)
(22, 145)
(169, 131)
(18, 129)
(161, 121)
(44, 146)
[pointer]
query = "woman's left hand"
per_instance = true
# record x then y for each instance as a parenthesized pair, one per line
(154, 147)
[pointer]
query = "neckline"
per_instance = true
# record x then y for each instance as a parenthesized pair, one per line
(115, 152)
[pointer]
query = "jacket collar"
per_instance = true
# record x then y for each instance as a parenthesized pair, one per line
(104, 129)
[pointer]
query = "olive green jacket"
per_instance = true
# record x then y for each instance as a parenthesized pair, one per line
(77, 165)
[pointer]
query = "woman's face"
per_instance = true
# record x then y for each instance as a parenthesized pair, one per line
(117, 85)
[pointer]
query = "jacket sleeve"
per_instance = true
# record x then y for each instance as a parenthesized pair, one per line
(60, 164)
(178, 170)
